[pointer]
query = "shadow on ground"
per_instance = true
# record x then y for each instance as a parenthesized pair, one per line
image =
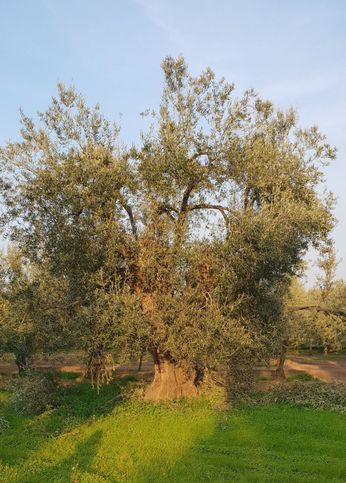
(154, 444)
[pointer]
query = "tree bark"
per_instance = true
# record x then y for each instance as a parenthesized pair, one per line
(171, 381)
(280, 370)
(21, 363)
(140, 361)
(319, 308)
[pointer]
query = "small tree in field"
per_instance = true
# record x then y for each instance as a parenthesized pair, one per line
(330, 328)
(295, 325)
(32, 315)
(183, 245)
(16, 326)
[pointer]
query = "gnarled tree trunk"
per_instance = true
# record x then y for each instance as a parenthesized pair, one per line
(171, 381)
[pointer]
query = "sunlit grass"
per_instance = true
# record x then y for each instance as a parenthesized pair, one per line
(301, 377)
(87, 441)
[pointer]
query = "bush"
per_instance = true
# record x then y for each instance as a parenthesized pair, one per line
(310, 394)
(240, 382)
(131, 390)
(4, 424)
(34, 393)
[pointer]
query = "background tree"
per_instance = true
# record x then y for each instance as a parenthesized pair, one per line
(16, 327)
(298, 326)
(32, 316)
(317, 316)
(330, 327)
(184, 245)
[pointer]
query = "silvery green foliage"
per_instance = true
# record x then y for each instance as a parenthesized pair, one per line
(32, 307)
(310, 394)
(313, 327)
(33, 394)
(183, 245)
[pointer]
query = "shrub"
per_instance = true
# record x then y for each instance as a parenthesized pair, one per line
(309, 394)
(4, 424)
(240, 381)
(34, 393)
(131, 390)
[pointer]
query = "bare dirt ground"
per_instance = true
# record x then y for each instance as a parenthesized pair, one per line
(71, 362)
(327, 368)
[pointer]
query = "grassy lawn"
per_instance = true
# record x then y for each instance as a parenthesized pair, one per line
(84, 440)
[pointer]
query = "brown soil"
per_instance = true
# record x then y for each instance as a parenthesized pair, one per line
(326, 368)
(71, 362)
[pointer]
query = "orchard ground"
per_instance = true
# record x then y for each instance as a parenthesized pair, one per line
(328, 368)
(98, 438)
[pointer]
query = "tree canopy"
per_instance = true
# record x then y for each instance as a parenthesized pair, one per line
(182, 245)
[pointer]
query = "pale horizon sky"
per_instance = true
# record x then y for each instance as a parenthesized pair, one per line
(292, 53)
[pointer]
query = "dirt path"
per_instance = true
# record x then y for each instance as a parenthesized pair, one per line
(330, 368)
(327, 370)
(71, 362)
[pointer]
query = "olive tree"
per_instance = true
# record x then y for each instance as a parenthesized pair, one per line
(315, 316)
(330, 326)
(32, 312)
(182, 245)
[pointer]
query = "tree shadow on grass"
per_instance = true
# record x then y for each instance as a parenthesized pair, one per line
(147, 443)
(69, 469)
(268, 444)
(217, 457)
(77, 404)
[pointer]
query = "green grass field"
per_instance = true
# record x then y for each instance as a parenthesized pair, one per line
(85, 440)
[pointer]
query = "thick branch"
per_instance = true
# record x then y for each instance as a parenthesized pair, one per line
(129, 211)
(186, 196)
(165, 208)
(319, 308)
(206, 206)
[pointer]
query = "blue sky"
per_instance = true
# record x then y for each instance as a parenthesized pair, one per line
(292, 52)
